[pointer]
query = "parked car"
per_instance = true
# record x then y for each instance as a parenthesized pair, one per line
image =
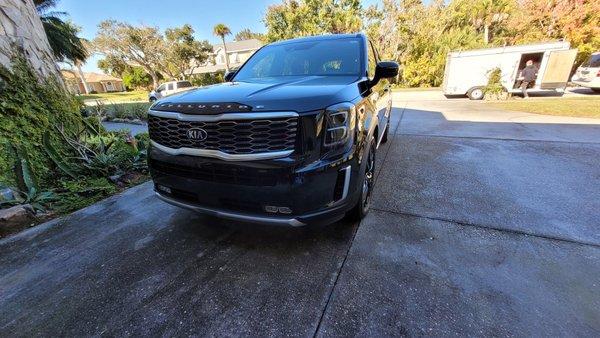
(467, 72)
(169, 88)
(290, 139)
(588, 73)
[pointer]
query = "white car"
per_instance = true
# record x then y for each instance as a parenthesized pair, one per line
(588, 74)
(169, 88)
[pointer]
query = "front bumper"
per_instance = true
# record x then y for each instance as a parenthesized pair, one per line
(282, 191)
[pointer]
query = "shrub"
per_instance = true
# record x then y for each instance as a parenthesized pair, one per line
(28, 108)
(125, 111)
(494, 89)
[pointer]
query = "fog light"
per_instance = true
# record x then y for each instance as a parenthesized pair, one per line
(275, 209)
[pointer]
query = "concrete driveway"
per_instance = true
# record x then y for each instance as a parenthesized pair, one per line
(484, 223)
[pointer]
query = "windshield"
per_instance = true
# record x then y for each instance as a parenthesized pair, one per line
(304, 58)
(593, 61)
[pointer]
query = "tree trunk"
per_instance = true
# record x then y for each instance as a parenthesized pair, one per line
(154, 79)
(486, 34)
(86, 87)
(226, 56)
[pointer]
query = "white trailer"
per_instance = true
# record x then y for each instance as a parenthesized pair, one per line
(467, 72)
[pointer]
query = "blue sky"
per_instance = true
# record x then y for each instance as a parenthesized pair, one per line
(201, 14)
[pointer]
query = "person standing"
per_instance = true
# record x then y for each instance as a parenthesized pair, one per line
(528, 75)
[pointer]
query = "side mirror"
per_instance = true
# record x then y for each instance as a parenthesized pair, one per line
(384, 70)
(230, 74)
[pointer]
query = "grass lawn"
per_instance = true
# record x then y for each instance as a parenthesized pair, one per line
(575, 107)
(136, 95)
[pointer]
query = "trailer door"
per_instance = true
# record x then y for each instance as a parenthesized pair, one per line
(558, 69)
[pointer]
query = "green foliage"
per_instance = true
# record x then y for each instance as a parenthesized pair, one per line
(28, 108)
(27, 191)
(76, 194)
(247, 34)
(294, 18)
(93, 153)
(184, 50)
(127, 111)
(207, 78)
(62, 35)
(136, 78)
(38, 200)
(494, 89)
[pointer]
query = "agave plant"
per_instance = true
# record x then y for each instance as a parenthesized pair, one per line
(27, 191)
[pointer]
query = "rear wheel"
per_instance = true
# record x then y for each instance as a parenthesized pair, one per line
(366, 188)
(475, 93)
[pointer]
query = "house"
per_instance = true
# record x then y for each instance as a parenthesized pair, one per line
(97, 82)
(237, 52)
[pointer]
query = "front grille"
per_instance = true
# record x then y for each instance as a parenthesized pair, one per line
(227, 174)
(227, 136)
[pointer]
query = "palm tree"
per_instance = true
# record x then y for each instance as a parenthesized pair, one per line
(62, 36)
(222, 30)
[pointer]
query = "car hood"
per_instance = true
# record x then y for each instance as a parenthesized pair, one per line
(298, 94)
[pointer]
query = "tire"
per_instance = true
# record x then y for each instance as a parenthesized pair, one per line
(384, 138)
(596, 90)
(475, 93)
(152, 99)
(361, 209)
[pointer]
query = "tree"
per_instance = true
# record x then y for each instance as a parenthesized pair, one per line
(113, 65)
(484, 15)
(221, 30)
(577, 21)
(135, 78)
(62, 35)
(142, 46)
(247, 34)
(184, 53)
(295, 18)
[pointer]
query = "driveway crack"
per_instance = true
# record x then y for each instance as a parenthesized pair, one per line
(496, 228)
(343, 263)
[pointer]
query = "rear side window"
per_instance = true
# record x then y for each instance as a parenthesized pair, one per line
(304, 58)
(183, 84)
(593, 61)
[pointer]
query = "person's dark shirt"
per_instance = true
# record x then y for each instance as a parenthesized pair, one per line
(529, 73)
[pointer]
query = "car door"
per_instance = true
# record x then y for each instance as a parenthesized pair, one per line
(380, 96)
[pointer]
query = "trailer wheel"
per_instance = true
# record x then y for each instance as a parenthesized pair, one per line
(475, 93)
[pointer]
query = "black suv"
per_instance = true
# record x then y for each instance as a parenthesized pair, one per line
(289, 139)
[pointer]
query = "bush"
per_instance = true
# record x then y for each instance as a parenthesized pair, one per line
(28, 108)
(494, 89)
(124, 111)
(208, 78)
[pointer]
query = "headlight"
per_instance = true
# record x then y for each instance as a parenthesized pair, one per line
(340, 122)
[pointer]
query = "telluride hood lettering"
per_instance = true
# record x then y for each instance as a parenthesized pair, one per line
(299, 94)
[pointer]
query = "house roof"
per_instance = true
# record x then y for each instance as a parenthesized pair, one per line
(238, 46)
(89, 77)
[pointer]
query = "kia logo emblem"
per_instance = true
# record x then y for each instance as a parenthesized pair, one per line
(197, 134)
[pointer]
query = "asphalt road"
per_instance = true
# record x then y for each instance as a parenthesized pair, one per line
(484, 223)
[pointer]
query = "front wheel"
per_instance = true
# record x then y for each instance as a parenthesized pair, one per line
(366, 188)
